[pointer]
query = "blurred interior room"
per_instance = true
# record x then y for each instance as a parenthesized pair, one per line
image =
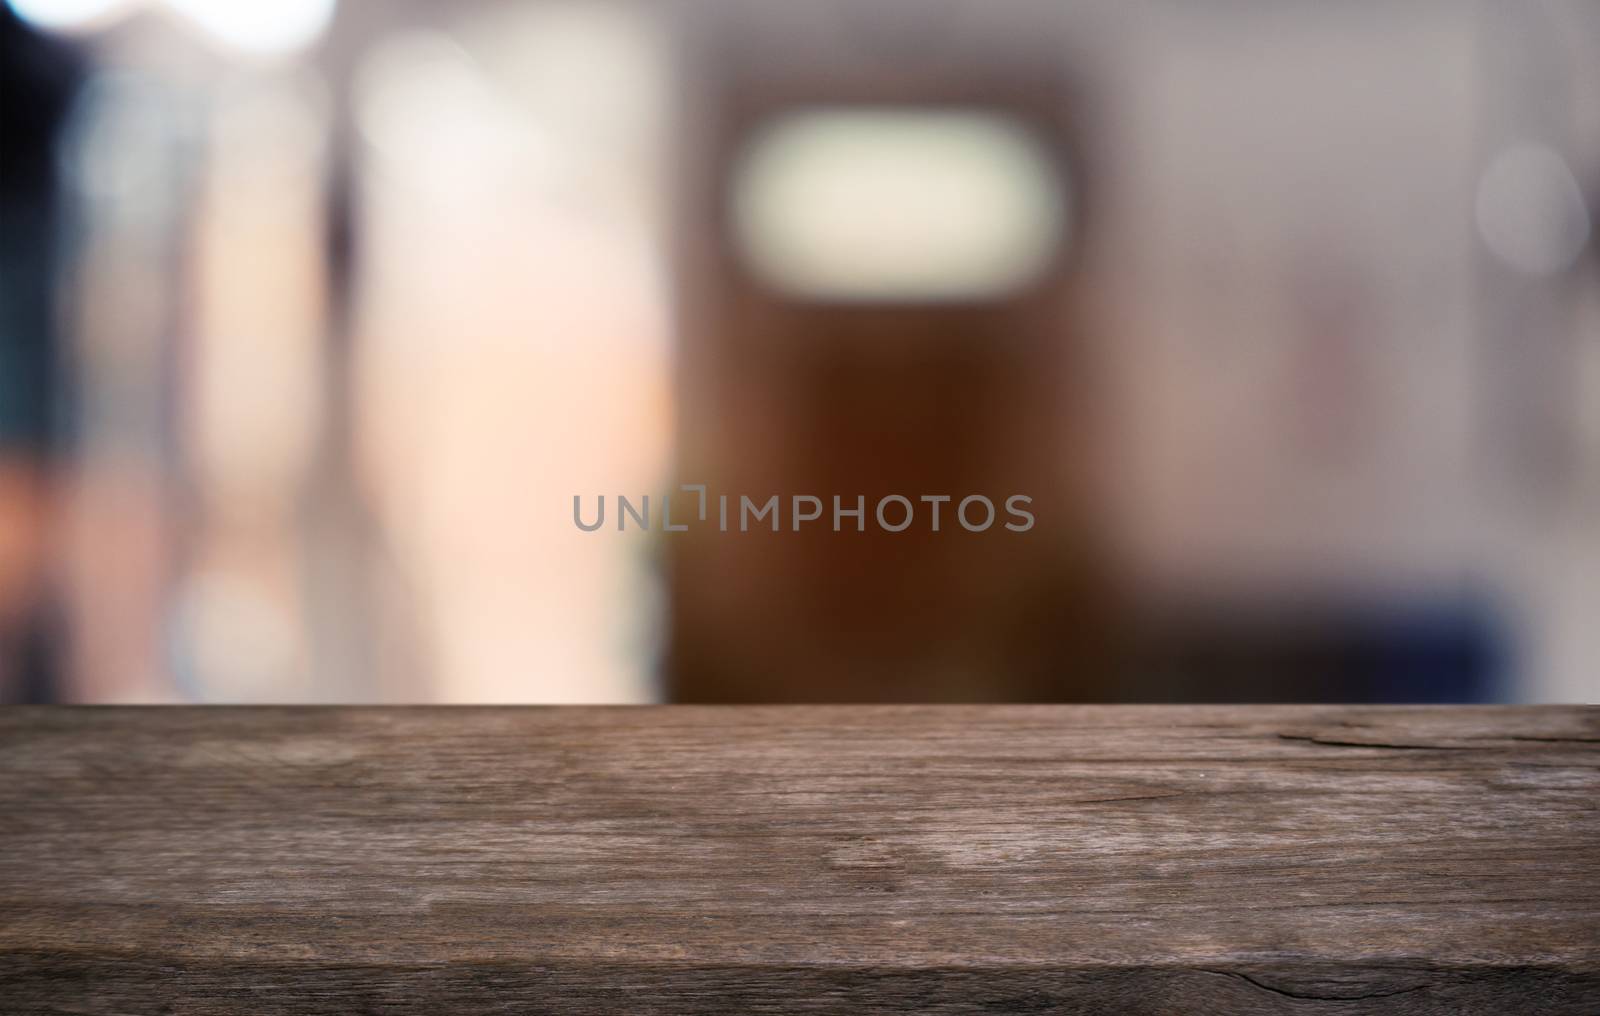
(317, 315)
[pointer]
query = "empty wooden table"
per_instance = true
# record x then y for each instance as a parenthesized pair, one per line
(1036, 859)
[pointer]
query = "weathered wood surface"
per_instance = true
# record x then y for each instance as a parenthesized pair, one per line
(1123, 860)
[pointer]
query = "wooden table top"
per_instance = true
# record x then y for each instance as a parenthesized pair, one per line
(1035, 859)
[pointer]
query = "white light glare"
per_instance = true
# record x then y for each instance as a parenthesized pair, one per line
(259, 26)
(68, 15)
(897, 204)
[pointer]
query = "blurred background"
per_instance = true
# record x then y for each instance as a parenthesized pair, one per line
(315, 315)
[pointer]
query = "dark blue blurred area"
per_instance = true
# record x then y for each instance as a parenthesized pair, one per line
(38, 78)
(1449, 649)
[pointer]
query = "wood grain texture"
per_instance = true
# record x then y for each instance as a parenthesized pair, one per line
(1131, 860)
